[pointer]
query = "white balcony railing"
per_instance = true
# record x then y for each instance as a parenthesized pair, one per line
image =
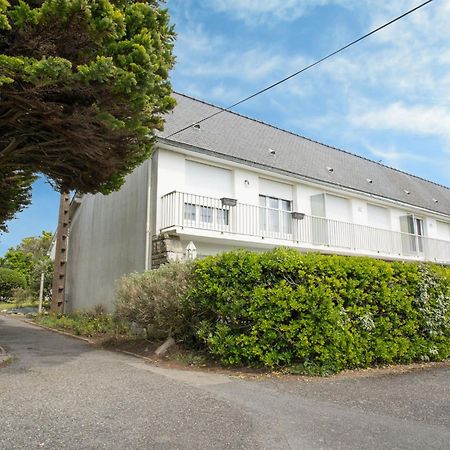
(189, 211)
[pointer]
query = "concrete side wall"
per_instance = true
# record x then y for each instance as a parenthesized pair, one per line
(107, 240)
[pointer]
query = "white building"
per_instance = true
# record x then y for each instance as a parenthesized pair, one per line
(233, 182)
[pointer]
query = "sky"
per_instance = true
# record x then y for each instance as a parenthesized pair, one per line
(386, 98)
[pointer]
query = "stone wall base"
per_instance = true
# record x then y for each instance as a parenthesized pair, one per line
(166, 248)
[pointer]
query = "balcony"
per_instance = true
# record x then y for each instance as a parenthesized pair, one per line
(207, 216)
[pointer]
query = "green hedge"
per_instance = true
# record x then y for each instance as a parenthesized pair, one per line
(319, 313)
(10, 280)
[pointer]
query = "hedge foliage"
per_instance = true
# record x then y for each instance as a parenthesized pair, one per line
(319, 313)
(9, 281)
(314, 313)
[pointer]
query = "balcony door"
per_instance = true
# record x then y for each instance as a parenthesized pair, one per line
(275, 216)
(413, 233)
(331, 221)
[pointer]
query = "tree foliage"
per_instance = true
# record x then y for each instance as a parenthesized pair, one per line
(83, 88)
(10, 280)
(15, 188)
(30, 259)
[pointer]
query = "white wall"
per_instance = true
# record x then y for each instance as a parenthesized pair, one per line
(359, 212)
(106, 241)
(246, 186)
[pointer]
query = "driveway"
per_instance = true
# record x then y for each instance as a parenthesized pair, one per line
(61, 393)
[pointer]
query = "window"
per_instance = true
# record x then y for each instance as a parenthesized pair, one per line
(206, 214)
(413, 230)
(275, 215)
(223, 216)
(199, 215)
(189, 211)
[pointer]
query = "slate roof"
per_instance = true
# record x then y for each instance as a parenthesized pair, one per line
(239, 138)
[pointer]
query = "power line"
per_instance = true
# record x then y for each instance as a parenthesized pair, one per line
(304, 69)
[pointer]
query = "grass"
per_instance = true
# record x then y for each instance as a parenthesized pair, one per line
(191, 358)
(86, 324)
(12, 305)
(8, 360)
(111, 333)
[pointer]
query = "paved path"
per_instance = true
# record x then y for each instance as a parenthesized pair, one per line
(60, 393)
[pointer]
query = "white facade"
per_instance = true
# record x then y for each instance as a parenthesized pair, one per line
(336, 220)
(220, 205)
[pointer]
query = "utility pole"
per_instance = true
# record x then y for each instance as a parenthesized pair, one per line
(41, 292)
(59, 275)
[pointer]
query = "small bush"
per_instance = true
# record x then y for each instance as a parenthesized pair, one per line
(153, 300)
(9, 281)
(319, 313)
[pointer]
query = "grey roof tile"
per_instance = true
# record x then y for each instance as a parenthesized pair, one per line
(234, 136)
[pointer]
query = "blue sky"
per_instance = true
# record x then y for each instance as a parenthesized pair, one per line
(387, 98)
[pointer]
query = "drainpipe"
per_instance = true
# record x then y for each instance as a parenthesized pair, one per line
(147, 226)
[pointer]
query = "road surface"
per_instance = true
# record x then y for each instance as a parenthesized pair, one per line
(61, 393)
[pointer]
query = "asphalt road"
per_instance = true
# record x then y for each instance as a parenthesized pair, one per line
(60, 393)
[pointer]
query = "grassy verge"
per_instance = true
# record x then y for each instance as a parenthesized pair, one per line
(86, 324)
(111, 333)
(12, 305)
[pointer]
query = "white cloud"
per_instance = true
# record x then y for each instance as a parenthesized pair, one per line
(254, 11)
(212, 65)
(419, 120)
(394, 157)
(397, 60)
(251, 65)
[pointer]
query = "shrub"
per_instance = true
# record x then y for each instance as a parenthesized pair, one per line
(319, 313)
(153, 300)
(10, 280)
